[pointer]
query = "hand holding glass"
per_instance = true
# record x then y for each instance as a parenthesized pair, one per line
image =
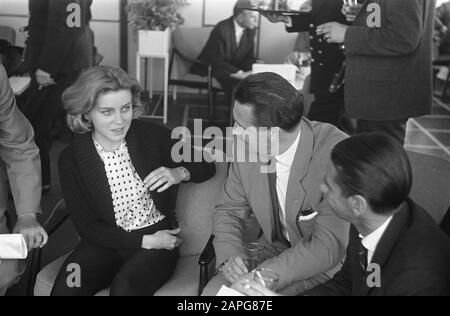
(267, 278)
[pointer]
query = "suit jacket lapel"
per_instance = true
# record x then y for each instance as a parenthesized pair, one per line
(296, 194)
(388, 240)
(232, 37)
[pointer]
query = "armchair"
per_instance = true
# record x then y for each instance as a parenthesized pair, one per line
(194, 209)
(187, 44)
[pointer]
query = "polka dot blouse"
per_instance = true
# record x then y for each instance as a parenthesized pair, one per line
(133, 205)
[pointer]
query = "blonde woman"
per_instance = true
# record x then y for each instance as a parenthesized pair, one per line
(119, 183)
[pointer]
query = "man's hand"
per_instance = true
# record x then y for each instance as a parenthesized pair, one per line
(252, 288)
(333, 32)
(28, 226)
(235, 268)
(44, 79)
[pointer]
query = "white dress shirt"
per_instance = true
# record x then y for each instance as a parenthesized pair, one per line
(239, 31)
(133, 205)
(370, 242)
(284, 166)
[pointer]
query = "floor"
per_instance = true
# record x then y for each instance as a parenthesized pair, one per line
(429, 135)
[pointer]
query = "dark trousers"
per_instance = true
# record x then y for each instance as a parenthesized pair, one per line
(395, 129)
(328, 108)
(126, 272)
(43, 108)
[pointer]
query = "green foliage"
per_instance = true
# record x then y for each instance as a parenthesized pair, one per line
(155, 14)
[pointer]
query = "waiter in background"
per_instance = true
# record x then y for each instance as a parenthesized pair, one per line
(327, 59)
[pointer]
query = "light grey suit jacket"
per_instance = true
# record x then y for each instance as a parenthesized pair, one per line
(319, 245)
(19, 155)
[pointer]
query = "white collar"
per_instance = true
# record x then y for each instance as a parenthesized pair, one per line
(237, 28)
(370, 242)
(287, 158)
(102, 151)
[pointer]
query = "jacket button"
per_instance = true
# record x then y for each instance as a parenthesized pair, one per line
(311, 25)
(311, 37)
(313, 60)
(321, 64)
(320, 52)
(311, 48)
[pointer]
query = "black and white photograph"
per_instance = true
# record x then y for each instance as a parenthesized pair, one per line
(225, 153)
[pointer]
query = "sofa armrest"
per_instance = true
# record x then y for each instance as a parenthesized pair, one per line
(207, 263)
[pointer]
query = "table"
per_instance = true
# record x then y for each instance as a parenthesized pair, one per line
(165, 96)
(298, 83)
(19, 84)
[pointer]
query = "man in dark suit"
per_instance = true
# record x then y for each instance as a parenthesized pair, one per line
(327, 58)
(59, 46)
(231, 47)
(395, 248)
(389, 70)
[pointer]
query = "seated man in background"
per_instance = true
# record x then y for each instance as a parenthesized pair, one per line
(304, 241)
(231, 47)
(19, 161)
(395, 248)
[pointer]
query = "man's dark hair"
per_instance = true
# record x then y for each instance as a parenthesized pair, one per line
(274, 101)
(376, 167)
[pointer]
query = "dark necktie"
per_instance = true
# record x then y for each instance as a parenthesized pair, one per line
(362, 254)
(278, 235)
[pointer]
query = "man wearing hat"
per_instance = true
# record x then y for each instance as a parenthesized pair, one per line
(231, 47)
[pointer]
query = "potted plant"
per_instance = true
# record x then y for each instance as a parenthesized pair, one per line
(154, 20)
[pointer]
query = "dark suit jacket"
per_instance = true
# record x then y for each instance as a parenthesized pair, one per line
(389, 71)
(87, 193)
(327, 58)
(414, 256)
(52, 45)
(222, 52)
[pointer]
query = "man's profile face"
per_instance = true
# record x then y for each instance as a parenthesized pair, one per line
(249, 19)
(333, 194)
(253, 136)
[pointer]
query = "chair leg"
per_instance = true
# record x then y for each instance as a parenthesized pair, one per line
(211, 104)
(444, 91)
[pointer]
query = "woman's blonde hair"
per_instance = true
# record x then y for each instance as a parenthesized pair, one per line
(82, 96)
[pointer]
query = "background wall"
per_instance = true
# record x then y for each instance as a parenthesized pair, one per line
(274, 44)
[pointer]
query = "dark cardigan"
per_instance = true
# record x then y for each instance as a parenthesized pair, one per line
(87, 193)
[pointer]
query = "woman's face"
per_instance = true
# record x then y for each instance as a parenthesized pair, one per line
(111, 118)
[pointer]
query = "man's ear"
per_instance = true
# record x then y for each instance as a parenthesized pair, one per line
(358, 205)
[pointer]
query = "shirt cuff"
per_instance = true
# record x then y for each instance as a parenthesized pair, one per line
(289, 24)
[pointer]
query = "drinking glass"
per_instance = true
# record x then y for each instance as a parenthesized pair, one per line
(267, 278)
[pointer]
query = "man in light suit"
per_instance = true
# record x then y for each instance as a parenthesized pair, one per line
(20, 164)
(389, 63)
(304, 241)
(395, 248)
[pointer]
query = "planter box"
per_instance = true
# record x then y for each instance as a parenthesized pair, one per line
(154, 43)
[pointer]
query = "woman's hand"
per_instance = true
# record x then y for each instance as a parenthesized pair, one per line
(163, 178)
(164, 239)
